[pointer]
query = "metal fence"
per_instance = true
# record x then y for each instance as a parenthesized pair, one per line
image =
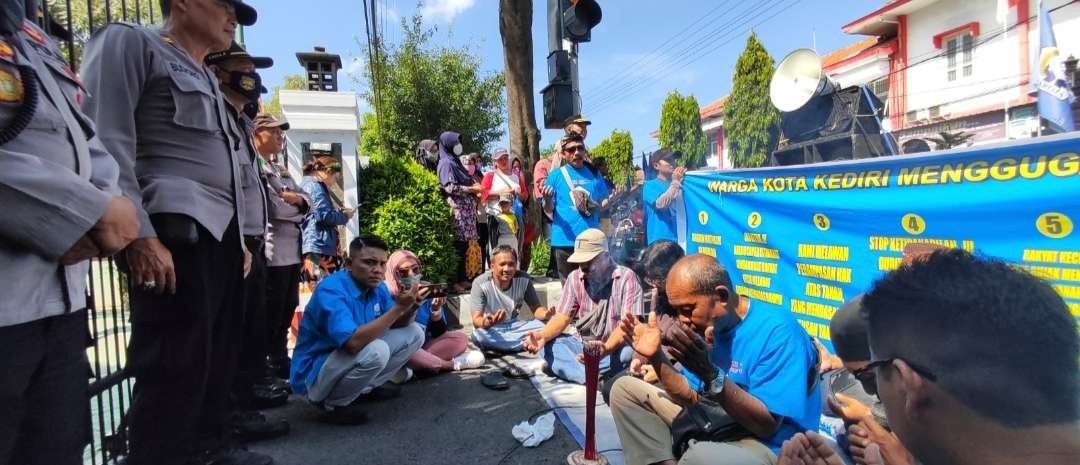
(71, 23)
(110, 387)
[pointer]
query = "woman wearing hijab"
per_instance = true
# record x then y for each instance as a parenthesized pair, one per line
(461, 193)
(427, 154)
(443, 350)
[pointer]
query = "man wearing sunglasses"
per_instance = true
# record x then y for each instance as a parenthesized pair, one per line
(573, 196)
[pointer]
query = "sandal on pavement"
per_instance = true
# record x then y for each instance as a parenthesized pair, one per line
(495, 382)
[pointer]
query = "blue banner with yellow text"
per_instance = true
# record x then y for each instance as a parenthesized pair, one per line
(807, 238)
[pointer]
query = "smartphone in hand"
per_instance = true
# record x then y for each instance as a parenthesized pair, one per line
(436, 290)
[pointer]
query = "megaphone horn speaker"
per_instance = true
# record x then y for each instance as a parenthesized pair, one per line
(798, 78)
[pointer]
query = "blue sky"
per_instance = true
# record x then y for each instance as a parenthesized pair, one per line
(627, 69)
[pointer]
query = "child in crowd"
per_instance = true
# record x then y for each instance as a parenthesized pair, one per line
(508, 224)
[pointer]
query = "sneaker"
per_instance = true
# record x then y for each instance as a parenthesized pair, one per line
(402, 376)
(254, 426)
(469, 360)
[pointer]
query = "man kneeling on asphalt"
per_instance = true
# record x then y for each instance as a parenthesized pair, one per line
(495, 299)
(354, 336)
(758, 370)
(594, 297)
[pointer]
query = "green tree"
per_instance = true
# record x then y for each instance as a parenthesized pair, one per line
(91, 15)
(292, 82)
(948, 140)
(751, 122)
(680, 128)
(419, 90)
(617, 151)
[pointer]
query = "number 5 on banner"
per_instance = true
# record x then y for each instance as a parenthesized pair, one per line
(1054, 225)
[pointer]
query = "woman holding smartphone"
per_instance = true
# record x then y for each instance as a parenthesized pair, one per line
(443, 350)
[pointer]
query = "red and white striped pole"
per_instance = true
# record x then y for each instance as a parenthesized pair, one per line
(589, 456)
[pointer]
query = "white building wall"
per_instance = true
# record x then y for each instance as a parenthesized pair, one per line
(995, 63)
(324, 118)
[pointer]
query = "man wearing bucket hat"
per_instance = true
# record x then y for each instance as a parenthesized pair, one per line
(596, 296)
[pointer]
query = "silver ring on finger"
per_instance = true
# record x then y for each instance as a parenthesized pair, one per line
(149, 284)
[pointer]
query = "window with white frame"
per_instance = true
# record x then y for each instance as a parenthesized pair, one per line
(959, 50)
(711, 143)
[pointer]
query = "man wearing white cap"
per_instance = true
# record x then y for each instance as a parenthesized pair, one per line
(596, 295)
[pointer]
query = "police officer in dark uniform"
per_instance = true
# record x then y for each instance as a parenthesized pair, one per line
(62, 206)
(160, 113)
(241, 86)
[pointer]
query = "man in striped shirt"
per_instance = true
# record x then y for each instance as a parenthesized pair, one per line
(594, 298)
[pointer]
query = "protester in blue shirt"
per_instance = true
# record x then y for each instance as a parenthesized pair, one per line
(354, 336)
(660, 196)
(760, 369)
(573, 196)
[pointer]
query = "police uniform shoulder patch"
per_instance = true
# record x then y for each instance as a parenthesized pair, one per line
(11, 87)
(34, 34)
(6, 52)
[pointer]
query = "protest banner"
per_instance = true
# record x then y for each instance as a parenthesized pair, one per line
(807, 238)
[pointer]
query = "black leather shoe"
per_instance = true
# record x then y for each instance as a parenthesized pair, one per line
(265, 396)
(254, 426)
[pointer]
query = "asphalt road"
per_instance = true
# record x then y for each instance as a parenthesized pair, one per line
(447, 419)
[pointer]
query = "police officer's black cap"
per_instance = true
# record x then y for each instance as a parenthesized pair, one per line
(245, 14)
(664, 154)
(236, 51)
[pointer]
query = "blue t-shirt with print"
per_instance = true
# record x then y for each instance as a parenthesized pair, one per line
(336, 309)
(659, 224)
(568, 221)
(770, 355)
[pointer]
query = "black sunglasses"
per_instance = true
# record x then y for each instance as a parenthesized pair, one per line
(575, 148)
(860, 373)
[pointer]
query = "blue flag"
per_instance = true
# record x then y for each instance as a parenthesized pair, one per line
(1055, 96)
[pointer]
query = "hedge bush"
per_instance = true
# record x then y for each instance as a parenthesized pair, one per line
(402, 202)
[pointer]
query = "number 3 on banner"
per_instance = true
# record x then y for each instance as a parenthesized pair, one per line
(1054, 225)
(913, 224)
(821, 221)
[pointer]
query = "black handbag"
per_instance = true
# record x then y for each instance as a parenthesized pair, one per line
(708, 421)
(704, 421)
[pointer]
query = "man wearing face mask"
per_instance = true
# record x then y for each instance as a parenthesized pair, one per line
(241, 85)
(596, 295)
(759, 370)
(159, 111)
(62, 205)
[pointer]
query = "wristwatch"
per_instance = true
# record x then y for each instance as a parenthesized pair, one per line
(715, 386)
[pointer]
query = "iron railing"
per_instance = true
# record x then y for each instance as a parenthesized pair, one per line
(110, 388)
(72, 23)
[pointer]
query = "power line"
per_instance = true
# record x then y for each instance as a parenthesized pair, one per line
(695, 52)
(652, 55)
(690, 58)
(689, 47)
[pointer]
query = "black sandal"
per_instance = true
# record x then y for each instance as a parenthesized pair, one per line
(495, 382)
(513, 371)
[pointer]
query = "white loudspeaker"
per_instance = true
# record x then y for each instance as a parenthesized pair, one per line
(798, 79)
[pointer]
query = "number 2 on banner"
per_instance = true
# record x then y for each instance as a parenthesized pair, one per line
(913, 224)
(754, 220)
(1054, 225)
